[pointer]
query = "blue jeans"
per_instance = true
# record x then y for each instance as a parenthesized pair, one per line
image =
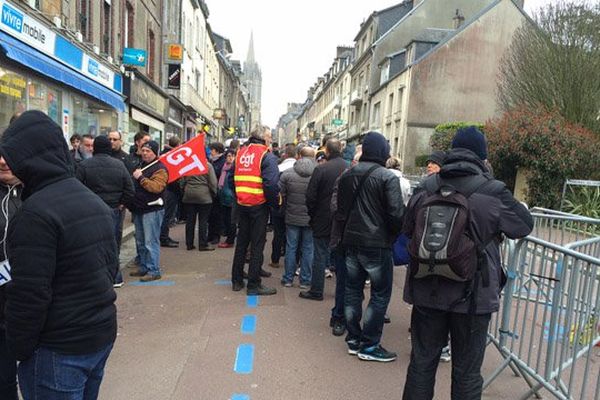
(321, 261)
(147, 239)
(364, 263)
(298, 235)
(429, 334)
(118, 217)
(52, 376)
(339, 261)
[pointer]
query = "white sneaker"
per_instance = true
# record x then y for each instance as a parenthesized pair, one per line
(328, 273)
(446, 356)
(368, 283)
(297, 273)
(118, 285)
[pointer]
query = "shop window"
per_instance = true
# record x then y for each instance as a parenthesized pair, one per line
(44, 98)
(93, 118)
(13, 96)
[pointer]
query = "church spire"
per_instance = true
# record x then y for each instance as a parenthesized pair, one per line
(250, 56)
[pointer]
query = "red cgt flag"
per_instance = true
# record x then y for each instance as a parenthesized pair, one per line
(187, 159)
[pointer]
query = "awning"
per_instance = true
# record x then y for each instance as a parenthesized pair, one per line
(146, 119)
(23, 54)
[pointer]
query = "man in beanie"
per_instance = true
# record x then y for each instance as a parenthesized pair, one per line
(108, 178)
(147, 208)
(370, 207)
(435, 161)
(442, 306)
(61, 319)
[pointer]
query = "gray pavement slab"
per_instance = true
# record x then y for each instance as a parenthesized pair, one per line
(180, 341)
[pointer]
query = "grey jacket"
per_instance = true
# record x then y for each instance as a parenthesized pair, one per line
(493, 211)
(200, 189)
(293, 185)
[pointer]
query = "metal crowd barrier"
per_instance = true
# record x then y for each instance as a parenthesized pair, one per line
(549, 321)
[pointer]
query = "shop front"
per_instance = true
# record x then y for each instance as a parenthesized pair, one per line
(174, 126)
(47, 72)
(149, 107)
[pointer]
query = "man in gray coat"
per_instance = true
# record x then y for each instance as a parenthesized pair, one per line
(293, 185)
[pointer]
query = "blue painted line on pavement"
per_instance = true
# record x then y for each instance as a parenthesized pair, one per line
(244, 359)
(223, 282)
(252, 301)
(152, 283)
(240, 397)
(249, 325)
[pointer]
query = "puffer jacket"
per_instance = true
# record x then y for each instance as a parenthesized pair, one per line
(293, 185)
(13, 203)
(375, 219)
(200, 189)
(493, 211)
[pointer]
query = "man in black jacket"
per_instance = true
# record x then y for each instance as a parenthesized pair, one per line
(442, 306)
(60, 312)
(116, 144)
(371, 208)
(109, 179)
(318, 199)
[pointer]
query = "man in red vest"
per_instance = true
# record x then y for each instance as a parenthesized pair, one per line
(256, 181)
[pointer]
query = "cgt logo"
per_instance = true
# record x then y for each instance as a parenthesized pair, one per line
(247, 159)
(12, 18)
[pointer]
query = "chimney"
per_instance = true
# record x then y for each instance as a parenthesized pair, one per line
(458, 19)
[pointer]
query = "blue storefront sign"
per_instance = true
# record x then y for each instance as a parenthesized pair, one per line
(36, 46)
(134, 57)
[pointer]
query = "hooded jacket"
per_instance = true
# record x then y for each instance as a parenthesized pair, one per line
(13, 203)
(108, 178)
(493, 211)
(293, 185)
(61, 247)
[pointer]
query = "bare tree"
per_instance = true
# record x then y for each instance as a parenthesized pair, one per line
(555, 62)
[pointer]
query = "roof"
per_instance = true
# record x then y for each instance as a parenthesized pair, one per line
(388, 16)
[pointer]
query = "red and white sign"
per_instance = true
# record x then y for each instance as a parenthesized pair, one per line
(187, 159)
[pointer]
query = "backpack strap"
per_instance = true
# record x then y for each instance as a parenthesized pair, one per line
(357, 194)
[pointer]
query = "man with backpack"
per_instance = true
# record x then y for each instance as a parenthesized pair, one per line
(370, 206)
(455, 221)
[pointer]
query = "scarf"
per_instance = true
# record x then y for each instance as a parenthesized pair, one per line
(224, 171)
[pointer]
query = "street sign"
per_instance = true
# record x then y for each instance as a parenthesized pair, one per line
(134, 57)
(337, 122)
(174, 77)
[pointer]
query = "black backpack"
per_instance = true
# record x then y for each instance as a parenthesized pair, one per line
(442, 243)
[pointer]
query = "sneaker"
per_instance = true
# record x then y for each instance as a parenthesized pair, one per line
(150, 278)
(368, 283)
(328, 273)
(376, 353)
(353, 347)
(339, 327)
(310, 296)
(225, 245)
(138, 273)
(261, 290)
(237, 286)
(305, 286)
(208, 247)
(117, 285)
(446, 356)
(286, 284)
(297, 273)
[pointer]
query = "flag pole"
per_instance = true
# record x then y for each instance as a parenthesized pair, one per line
(151, 164)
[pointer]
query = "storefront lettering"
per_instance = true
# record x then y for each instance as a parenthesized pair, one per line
(14, 20)
(16, 93)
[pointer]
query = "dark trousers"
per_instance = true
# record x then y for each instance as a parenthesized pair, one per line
(252, 231)
(364, 263)
(215, 223)
(339, 261)
(202, 212)
(8, 370)
(429, 333)
(118, 219)
(278, 237)
(230, 227)
(320, 262)
(171, 200)
(52, 376)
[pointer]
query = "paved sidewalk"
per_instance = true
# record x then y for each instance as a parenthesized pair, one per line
(179, 340)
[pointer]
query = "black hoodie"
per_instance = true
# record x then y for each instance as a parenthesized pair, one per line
(61, 247)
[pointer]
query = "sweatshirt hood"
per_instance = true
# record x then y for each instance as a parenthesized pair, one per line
(305, 167)
(462, 162)
(36, 151)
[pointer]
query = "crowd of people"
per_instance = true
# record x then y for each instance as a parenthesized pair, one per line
(335, 208)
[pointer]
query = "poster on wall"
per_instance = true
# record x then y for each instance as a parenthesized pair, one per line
(174, 76)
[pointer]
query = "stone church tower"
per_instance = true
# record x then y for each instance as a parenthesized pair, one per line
(252, 80)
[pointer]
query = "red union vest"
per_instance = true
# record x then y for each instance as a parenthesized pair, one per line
(248, 179)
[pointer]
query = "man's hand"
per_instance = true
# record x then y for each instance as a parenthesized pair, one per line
(137, 173)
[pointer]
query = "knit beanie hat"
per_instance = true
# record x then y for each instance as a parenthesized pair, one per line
(437, 157)
(471, 138)
(102, 145)
(152, 145)
(375, 148)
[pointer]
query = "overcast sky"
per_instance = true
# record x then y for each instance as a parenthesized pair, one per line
(294, 41)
